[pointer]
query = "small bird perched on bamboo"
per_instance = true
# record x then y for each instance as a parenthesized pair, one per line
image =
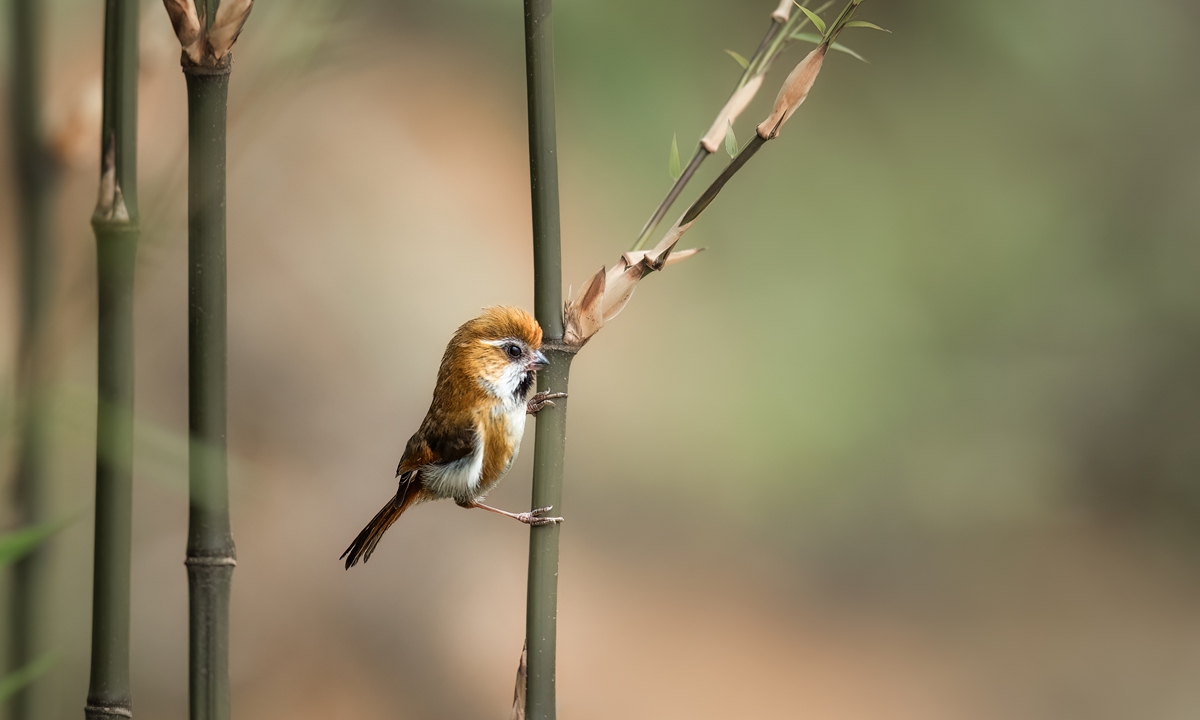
(473, 429)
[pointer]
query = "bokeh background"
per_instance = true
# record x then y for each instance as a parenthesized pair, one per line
(917, 437)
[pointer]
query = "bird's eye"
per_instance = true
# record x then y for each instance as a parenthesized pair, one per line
(513, 350)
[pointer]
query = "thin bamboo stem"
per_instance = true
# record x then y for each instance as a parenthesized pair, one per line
(550, 435)
(36, 183)
(701, 152)
(672, 195)
(777, 36)
(115, 223)
(210, 550)
(772, 29)
(541, 613)
(710, 193)
(543, 166)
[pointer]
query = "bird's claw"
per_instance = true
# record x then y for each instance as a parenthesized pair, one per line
(541, 400)
(537, 518)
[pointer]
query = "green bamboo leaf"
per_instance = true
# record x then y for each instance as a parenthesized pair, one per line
(16, 545)
(824, 6)
(26, 675)
(740, 60)
(813, 38)
(842, 48)
(865, 24)
(673, 163)
(731, 144)
(816, 21)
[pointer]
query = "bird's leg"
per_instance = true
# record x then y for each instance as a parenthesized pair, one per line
(541, 400)
(535, 517)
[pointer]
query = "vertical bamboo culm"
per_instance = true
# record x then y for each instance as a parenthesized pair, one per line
(35, 182)
(550, 438)
(115, 223)
(206, 31)
(210, 550)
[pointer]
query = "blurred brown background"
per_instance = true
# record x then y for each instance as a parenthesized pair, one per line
(917, 437)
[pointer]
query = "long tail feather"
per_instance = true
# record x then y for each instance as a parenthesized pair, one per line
(365, 543)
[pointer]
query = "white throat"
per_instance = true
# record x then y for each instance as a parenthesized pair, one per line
(504, 388)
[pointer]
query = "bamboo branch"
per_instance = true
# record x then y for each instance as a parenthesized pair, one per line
(777, 38)
(550, 436)
(206, 33)
(36, 176)
(606, 293)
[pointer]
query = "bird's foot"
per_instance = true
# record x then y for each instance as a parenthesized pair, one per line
(542, 400)
(534, 517)
(538, 517)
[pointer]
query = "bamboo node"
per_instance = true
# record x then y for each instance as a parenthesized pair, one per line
(221, 66)
(211, 561)
(560, 346)
(90, 710)
(605, 294)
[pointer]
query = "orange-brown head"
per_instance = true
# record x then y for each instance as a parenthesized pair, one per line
(497, 352)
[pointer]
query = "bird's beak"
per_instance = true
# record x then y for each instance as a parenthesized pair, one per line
(539, 361)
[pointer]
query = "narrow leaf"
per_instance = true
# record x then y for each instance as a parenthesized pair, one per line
(16, 545)
(518, 708)
(813, 38)
(816, 21)
(26, 675)
(865, 24)
(673, 163)
(740, 60)
(842, 48)
(731, 145)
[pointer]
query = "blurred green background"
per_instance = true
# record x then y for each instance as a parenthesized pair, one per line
(917, 437)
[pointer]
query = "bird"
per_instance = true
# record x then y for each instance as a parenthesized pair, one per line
(473, 428)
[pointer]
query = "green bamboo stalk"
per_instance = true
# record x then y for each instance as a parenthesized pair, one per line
(36, 178)
(207, 30)
(210, 551)
(551, 431)
(115, 223)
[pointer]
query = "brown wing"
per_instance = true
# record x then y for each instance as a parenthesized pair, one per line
(439, 443)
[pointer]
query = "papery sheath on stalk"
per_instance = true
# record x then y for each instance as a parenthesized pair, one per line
(729, 114)
(800, 81)
(794, 92)
(606, 293)
(208, 45)
(187, 27)
(231, 16)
